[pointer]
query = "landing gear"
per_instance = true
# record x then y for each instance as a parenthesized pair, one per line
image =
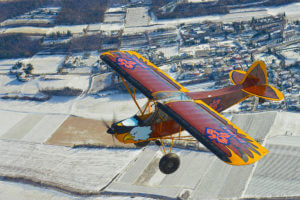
(169, 163)
(141, 144)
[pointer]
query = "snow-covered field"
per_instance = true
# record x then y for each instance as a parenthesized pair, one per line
(9, 84)
(62, 81)
(45, 64)
(292, 57)
(292, 10)
(38, 16)
(84, 59)
(133, 14)
(6, 64)
(169, 51)
(75, 29)
(79, 170)
(114, 18)
(86, 106)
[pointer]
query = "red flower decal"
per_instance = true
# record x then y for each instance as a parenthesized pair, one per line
(235, 136)
(218, 136)
(129, 64)
(215, 104)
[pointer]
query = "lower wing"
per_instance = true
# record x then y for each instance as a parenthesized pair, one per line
(219, 135)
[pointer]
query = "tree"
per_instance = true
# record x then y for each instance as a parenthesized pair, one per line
(18, 65)
(28, 68)
(69, 34)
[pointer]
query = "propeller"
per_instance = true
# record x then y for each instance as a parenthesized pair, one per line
(110, 130)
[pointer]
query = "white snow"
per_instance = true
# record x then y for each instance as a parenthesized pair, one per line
(291, 10)
(25, 30)
(62, 81)
(23, 191)
(111, 27)
(45, 128)
(45, 64)
(114, 9)
(6, 64)
(114, 18)
(286, 123)
(169, 51)
(73, 28)
(85, 106)
(40, 15)
(81, 169)
(8, 119)
(133, 14)
(9, 84)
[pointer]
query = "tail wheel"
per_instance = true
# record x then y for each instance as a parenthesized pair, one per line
(142, 144)
(169, 163)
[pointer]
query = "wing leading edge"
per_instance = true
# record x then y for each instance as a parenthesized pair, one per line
(218, 134)
(140, 72)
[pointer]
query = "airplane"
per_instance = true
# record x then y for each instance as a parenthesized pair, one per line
(171, 108)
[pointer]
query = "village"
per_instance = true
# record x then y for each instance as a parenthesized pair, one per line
(196, 51)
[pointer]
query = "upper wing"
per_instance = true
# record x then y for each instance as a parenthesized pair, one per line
(140, 72)
(218, 134)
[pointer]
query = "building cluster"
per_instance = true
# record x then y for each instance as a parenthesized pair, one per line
(195, 52)
(208, 51)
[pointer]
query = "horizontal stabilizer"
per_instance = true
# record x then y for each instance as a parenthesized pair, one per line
(255, 82)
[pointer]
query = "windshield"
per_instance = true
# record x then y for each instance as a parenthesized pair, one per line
(130, 122)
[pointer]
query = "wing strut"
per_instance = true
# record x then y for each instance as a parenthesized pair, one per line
(132, 96)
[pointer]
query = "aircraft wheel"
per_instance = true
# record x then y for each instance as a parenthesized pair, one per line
(142, 144)
(169, 163)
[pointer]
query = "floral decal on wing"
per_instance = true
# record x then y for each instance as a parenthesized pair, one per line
(126, 63)
(216, 104)
(219, 136)
(238, 143)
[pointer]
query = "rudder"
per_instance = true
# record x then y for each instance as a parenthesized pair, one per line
(255, 82)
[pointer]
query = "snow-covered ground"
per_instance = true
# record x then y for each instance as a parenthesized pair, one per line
(86, 106)
(9, 84)
(60, 82)
(44, 64)
(133, 14)
(38, 16)
(6, 64)
(292, 10)
(292, 57)
(78, 170)
(114, 18)
(168, 51)
(84, 59)
(74, 29)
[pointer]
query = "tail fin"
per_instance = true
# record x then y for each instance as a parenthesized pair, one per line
(255, 82)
